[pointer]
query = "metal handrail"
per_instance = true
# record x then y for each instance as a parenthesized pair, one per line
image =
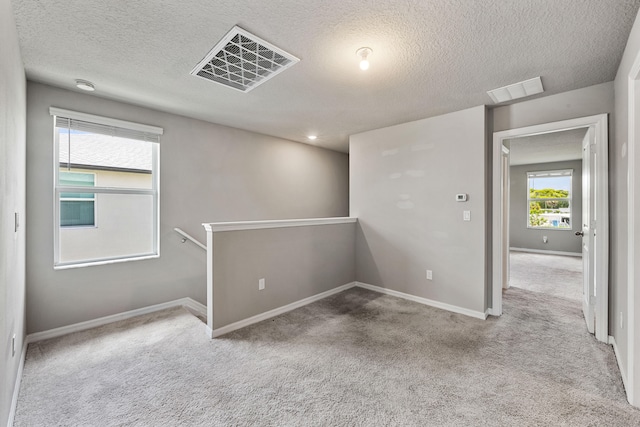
(186, 236)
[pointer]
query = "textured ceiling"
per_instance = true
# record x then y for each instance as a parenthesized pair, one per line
(429, 57)
(549, 147)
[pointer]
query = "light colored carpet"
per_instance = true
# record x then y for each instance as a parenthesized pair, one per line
(556, 275)
(357, 358)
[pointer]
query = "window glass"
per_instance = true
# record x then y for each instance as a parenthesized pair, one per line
(106, 187)
(549, 199)
(77, 209)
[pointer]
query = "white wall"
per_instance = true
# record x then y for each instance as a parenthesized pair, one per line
(12, 199)
(208, 173)
(403, 184)
(520, 236)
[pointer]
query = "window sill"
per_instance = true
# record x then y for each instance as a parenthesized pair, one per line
(67, 266)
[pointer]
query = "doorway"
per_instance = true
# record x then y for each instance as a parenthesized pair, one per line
(545, 213)
(593, 227)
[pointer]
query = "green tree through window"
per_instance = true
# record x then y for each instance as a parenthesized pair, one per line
(549, 199)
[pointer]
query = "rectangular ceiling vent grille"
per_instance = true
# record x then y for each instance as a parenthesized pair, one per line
(243, 61)
(517, 90)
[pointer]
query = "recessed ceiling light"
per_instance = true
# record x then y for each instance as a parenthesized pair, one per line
(312, 137)
(85, 85)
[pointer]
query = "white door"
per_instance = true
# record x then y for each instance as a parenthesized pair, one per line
(588, 230)
(505, 214)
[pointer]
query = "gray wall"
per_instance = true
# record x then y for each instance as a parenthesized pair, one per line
(618, 198)
(403, 184)
(12, 199)
(558, 240)
(209, 173)
(296, 263)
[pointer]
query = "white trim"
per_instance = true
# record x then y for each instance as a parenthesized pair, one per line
(17, 383)
(616, 351)
(280, 223)
(600, 123)
(425, 301)
(542, 251)
(101, 321)
(632, 308)
(107, 121)
(80, 264)
(194, 306)
(213, 333)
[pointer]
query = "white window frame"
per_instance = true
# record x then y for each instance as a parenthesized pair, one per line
(154, 191)
(550, 174)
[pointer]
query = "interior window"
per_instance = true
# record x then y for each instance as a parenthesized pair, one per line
(106, 188)
(549, 199)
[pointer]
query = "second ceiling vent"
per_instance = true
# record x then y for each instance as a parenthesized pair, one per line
(243, 61)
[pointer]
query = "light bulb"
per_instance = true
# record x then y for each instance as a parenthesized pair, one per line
(364, 53)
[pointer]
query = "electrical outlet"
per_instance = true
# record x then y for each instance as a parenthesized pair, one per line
(429, 275)
(545, 239)
(13, 345)
(261, 284)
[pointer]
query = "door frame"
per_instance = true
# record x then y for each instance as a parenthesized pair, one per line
(632, 384)
(599, 124)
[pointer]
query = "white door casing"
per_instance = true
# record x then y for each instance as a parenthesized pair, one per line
(598, 126)
(588, 259)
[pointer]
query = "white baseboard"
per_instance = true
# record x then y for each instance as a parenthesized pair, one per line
(194, 306)
(541, 251)
(275, 312)
(425, 301)
(623, 373)
(16, 385)
(64, 330)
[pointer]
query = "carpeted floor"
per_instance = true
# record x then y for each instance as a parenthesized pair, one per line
(556, 275)
(357, 358)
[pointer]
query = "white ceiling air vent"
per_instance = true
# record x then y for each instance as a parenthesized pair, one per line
(517, 90)
(243, 61)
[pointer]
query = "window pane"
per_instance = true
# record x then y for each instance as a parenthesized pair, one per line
(77, 213)
(550, 199)
(116, 162)
(76, 179)
(125, 227)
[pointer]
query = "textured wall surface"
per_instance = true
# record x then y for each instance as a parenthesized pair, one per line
(404, 180)
(208, 173)
(529, 238)
(296, 263)
(12, 199)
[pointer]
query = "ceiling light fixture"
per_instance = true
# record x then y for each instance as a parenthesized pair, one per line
(364, 53)
(312, 137)
(85, 85)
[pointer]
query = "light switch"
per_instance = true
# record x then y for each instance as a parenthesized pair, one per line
(466, 215)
